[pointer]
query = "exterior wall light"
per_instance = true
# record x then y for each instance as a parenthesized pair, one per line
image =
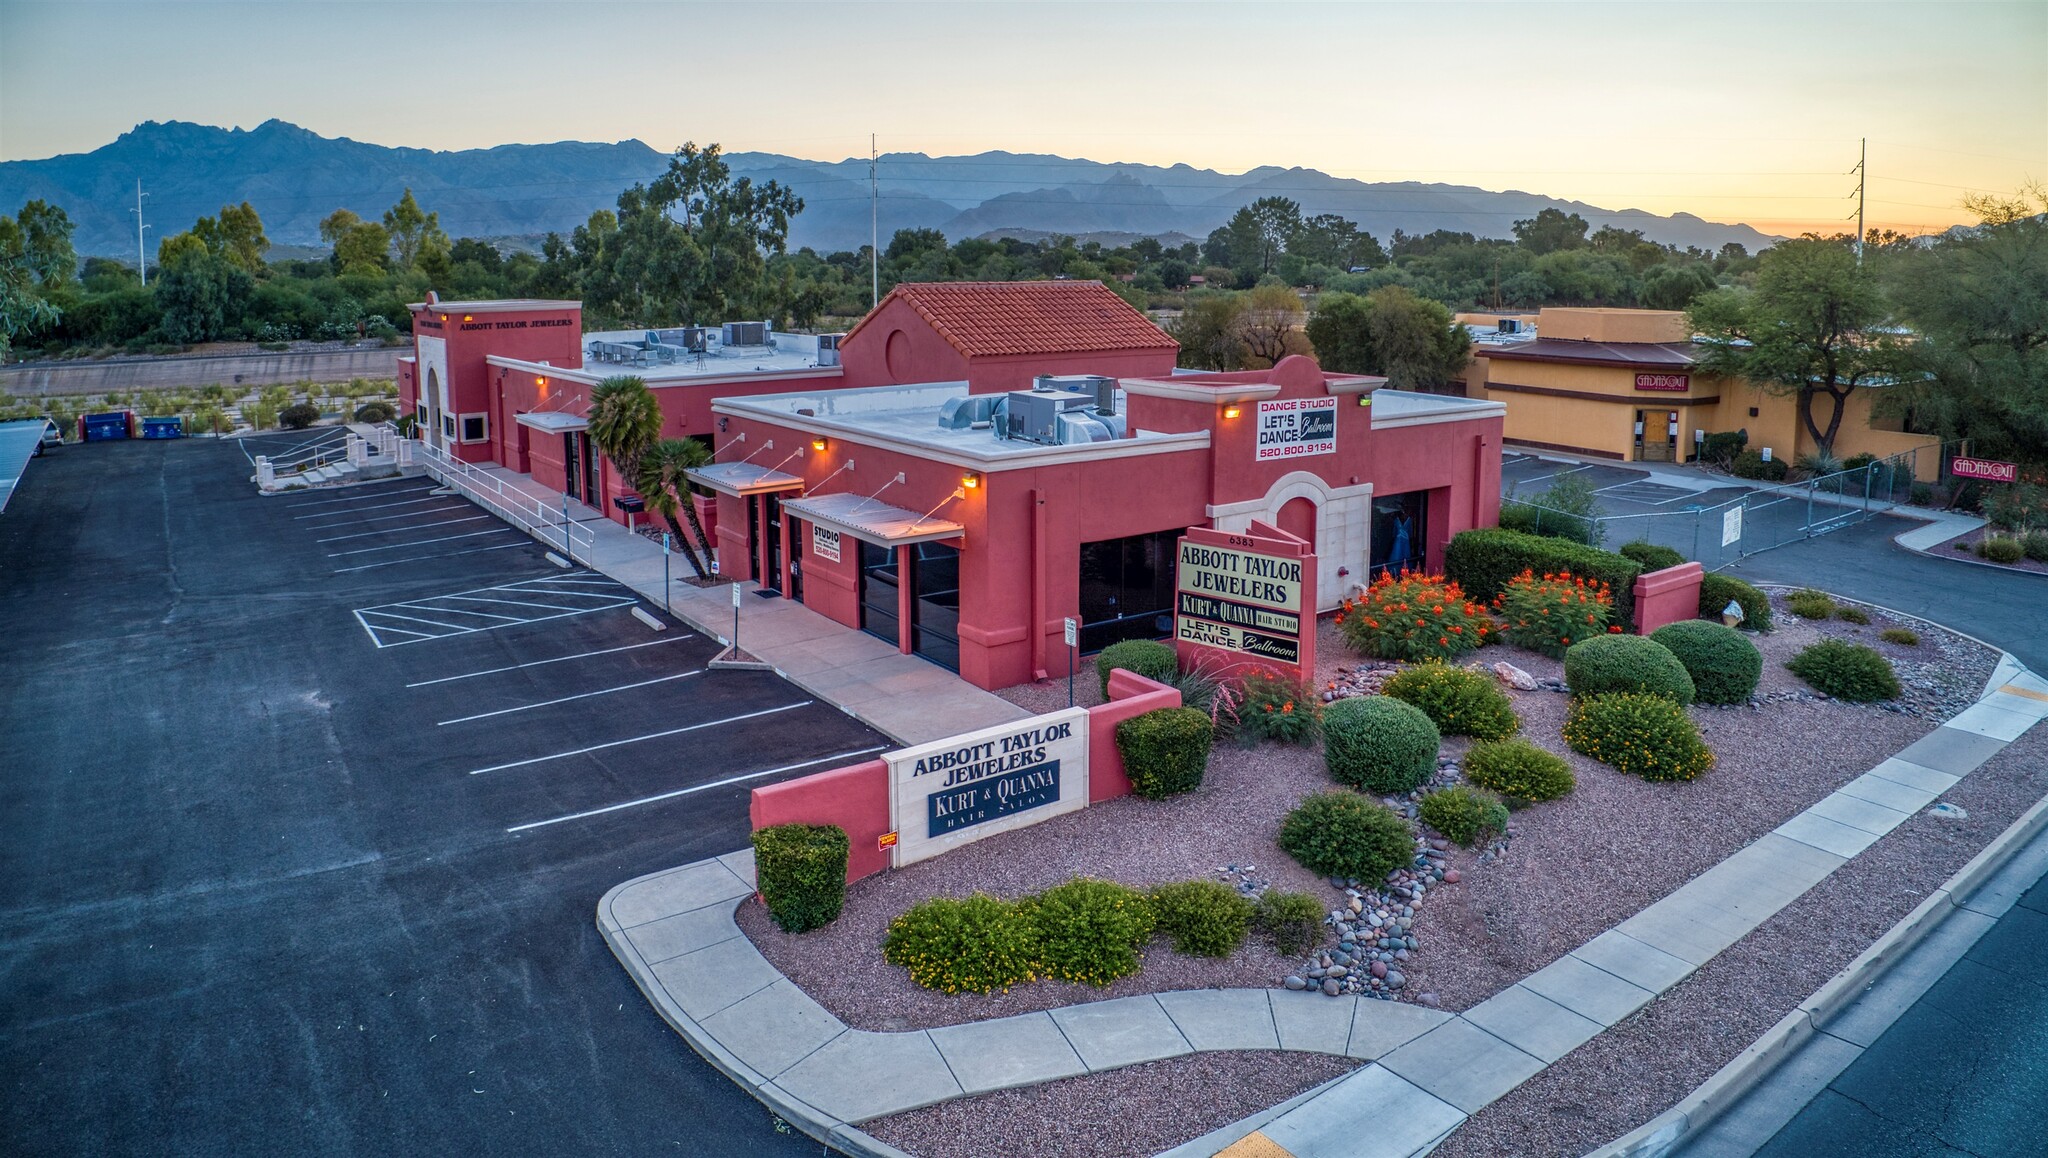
(818, 444)
(467, 318)
(1230, 412)
(541, 382)
(970, 480)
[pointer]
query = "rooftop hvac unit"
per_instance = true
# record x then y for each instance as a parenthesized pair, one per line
(1099, 387)
(828, 349)
(1508, 326)
(1034, 415)
(745, 334)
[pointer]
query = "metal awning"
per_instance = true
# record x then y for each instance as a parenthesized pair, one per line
(743, 478)
(873, 521)
(552, 422)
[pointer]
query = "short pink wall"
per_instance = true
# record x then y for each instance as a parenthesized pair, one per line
(1668, 596)
(856, 797)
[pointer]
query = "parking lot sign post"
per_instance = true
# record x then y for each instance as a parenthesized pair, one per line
(667, 604)
(735, 618)
(1073, 633)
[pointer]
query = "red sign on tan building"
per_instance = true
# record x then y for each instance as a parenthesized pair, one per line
(1984, 468)
(1677, 383)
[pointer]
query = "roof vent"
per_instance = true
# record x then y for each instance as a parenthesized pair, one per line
(1508, 326)
(745, 334)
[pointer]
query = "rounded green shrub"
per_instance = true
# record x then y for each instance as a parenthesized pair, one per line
(1718, 591)
(1165, 751)
(1626, 663)
(1647, 736)
(1846, 671)
(1723, 664)
(1459, 702)
(298, 416)
(801, 872)
(2035, 544)
(1292, 922)
(1343, 834)
(1088, 930)
(1811, 604)
(2002, 549)
(974, 944)
(375, 412)
(1202, 918)
(1463, 814)
(1753, 464)
(1379, 744)
(1850, 613)
(1145, 657)
(1903, 636)
(1519, 769)
(1652, 556)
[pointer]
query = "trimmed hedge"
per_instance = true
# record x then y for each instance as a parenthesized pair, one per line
(1379, 744)
(1646, 736)
(1457, 701)
(1485, 561)
(1202, 918)
(1343, 834)
(1847, 671)
(1293, 922)
(1724, 665)
(1165, 751)
(1651, 556)
(1088, 930)
(974, 944)
(1718, 591)
(1752, 464)
(1626, 663)
(801, 872)
(1145, 657)
(1465, 815)
(1519, 769)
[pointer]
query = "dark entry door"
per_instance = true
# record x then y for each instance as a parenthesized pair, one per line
(935, 630)
(799, 538)
(581, 461)
(771, 526)
(878, 587)
(1398, 526)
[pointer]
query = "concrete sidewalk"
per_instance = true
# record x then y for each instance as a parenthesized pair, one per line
(903, 696)
(1428, 1070)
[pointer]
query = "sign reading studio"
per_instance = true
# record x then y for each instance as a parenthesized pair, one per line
(963, 788)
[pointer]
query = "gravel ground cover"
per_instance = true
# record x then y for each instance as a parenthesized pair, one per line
(1964, 546)
(1128, 1113)
(1682, 1038)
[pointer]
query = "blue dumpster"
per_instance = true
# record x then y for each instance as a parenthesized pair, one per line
(103, 427)
(167, 427)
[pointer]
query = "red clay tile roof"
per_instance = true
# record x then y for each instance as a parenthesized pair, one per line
(994, 318)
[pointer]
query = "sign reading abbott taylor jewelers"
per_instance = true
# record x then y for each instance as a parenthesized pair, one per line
(1235, 594)
(954, 791)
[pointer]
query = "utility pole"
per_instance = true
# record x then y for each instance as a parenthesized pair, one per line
(874, 228)
(1862, 179)
(141, 255)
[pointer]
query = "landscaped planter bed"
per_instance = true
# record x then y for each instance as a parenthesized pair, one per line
(1571, 869)
(1964, 546)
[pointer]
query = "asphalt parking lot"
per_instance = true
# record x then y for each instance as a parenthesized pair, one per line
(307, 803)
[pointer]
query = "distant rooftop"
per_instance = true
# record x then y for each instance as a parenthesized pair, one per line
(498, 306)
(665, 357)
(992, 319)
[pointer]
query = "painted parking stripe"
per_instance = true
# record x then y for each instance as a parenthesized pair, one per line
(528, 602)
(857, 752)
(453, 628)
(643, 739)
(380, 494)
(681, 675)
(416, 543)
(546, 605)
(396, 530)
(371, 507)
(423, 606)
(544, 662)
(344, 519)
(424, 558)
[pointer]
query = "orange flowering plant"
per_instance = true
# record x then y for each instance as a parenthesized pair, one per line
(1414, 616)
(1273, 705)
(1552, 611)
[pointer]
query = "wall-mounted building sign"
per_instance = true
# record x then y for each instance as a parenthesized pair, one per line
(1245, 595)
(1296, 428)
(1985, 469)
(825, 543)
(1675, 382)
(958, 790)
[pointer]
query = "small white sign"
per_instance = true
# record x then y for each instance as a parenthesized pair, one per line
(1731, 526)
(1296, 428)
(825, 543)
(1073, 632)
(958, 790)
(735, 597)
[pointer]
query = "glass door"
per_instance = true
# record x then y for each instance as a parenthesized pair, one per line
(771, 526)
(1398, 523)
(935, 612)
(878, 586)
(572, 464)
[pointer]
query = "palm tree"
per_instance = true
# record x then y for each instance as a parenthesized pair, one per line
(625, 426)
(661, 483)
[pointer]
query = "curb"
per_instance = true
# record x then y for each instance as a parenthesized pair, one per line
(1920, 619)
(1660, 1135)
(1952, 557)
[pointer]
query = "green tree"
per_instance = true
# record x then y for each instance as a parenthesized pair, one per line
(1207, 332)
(1673, 287)
(1551, 230)
(46, 243)
(416, 235)
(235, 236)
(1268, 325)
(662, 483)
(1341, 332)
(24, 309)
(1411, 340)
(204, 295)
(1328, 239)
(1815, 328)
(1257, 234)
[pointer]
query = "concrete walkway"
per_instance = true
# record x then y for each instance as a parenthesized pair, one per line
(1428, 1070)
(903, 696)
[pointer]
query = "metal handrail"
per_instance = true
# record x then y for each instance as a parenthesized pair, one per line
(509, 503)
(319, 455)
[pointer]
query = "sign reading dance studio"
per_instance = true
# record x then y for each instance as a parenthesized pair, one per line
(1296, 428)
(958, 790)
(1248, 595)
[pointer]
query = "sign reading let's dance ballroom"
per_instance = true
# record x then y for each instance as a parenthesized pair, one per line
(954, 791)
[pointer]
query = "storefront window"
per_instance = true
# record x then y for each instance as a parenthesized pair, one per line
(1398, 526)
(878, 592)
(1127, 589)
(935, 632)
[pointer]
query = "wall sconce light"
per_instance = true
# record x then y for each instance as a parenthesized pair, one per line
(467, 318)
(970, 480)
(818, 444)
(541, 382)
(721, 426)
(1230, 412)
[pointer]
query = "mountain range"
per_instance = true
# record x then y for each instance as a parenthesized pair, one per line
(294, 177)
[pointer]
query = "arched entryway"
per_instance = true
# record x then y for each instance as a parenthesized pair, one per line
(1298, 518)
(434, 407)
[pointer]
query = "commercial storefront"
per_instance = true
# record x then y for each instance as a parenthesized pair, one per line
(1626, 385)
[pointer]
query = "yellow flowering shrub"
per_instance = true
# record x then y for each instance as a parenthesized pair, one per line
(1643, 735)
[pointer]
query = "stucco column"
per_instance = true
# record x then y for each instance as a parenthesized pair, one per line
(903, 599)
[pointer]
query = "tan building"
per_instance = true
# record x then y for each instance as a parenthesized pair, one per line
(1624, 384)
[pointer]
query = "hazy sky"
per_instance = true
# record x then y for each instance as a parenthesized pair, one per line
(1733, 111)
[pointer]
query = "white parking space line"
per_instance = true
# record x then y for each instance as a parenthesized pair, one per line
(346, 521)
(396, 530)
(424, 558)
(423, 605)
(417, 543)
(1547, 477)
(546, 603)
(696, 788)
(681, 675)
(453, 628)
(380, 494)
(515, 602)
(641, 739)
(371, 507)
(544, 662)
